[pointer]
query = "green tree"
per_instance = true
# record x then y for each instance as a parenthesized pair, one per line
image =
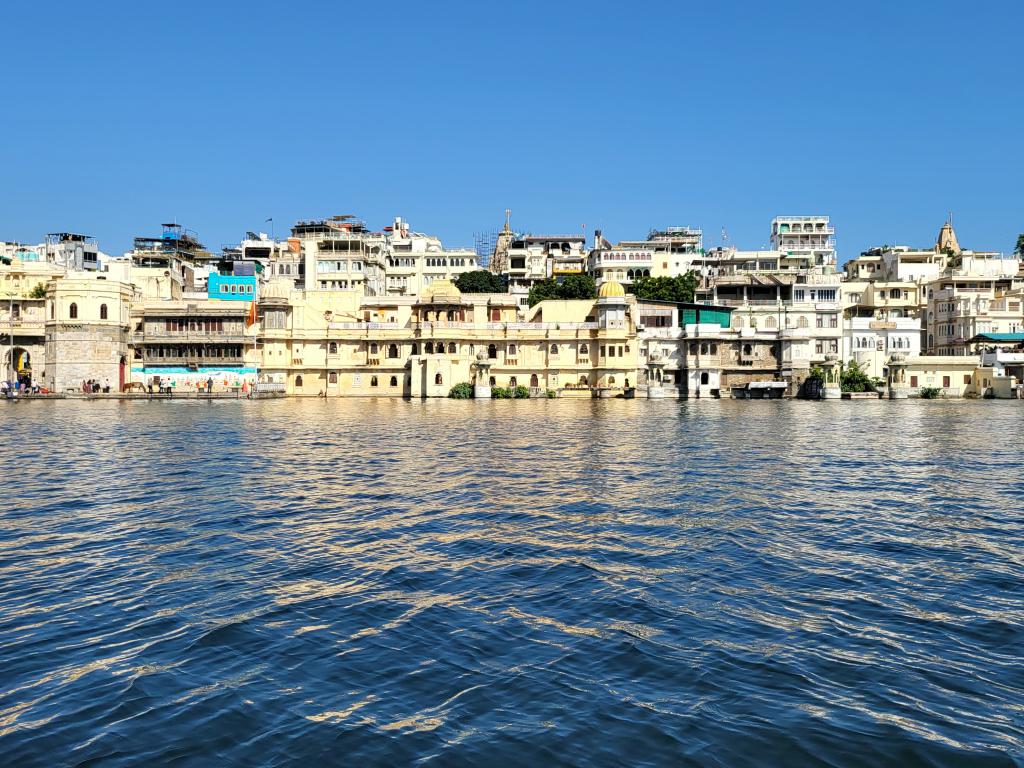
(480, 281)
(462, 391)
(680, 288)
(543, 291)
(853, 379)
(578, 287)
(1019, 250)
(39, 292)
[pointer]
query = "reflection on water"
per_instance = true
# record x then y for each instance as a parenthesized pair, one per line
(542, 582)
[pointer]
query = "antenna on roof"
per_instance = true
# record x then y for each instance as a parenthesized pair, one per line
(725, 237)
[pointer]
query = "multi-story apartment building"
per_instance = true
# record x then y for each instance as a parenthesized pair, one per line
(529, 259)
(809, 237)
(71, 251)
(414, 261)
(341, 254)
(665, 253)
(961, 308)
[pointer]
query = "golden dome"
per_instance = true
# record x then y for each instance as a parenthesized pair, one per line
(611, 289)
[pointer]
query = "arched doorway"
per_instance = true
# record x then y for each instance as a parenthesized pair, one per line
(121, 371)
(21, 369)
(534, 381)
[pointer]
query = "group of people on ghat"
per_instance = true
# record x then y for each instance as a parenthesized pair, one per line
(94, 387)
(17, 387)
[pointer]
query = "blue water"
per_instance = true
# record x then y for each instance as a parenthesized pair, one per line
(381, 582)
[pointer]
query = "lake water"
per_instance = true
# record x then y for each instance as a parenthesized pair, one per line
(363, 582)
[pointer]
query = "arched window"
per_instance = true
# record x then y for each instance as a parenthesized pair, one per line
(584, 379)
(103, 311)
(703, 349)
(438, 380)
(895, 293)
(392, 350)
(415, 347)
(584, 349)
(452, 349)
(802, 323)
(511, 350)
(373, 348)
(611, 379)
(747, 349)
(771, 322)
(533, 380)
(73, 311)
(332, 348)
(332, 377)
(492, 381)
(373, 381)
(512, 382)
(629, 275)
(394, 381)
(429, 348)
(492, 351)
(52, 311)
(704, 377)
(554, 349)
(298, 380)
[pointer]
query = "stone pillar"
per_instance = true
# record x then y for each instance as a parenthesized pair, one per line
(898, 389)
(655, 376)
(482, 379)
(832, 389)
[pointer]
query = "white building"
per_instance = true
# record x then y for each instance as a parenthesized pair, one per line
(809, 237)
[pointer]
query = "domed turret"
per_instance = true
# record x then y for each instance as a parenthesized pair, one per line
(611, 290)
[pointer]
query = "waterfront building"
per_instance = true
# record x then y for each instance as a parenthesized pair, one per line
(23, 282)
(954, 375)
(183, 344)
(86, 331)
(696, 350)
(342, 343)
(798, 308)
(1003, 355)
(870, 342)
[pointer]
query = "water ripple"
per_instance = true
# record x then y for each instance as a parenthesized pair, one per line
(512, 583)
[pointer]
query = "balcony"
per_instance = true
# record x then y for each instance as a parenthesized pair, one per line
(186, 361)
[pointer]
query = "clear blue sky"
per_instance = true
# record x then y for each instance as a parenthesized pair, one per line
(117, 116)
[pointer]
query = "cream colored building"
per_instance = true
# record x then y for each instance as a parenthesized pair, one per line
(87, 331)
(668, 252)
(341, 254)
(23, 283)
(344, 344)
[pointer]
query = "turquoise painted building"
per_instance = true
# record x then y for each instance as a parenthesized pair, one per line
(231, 287)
